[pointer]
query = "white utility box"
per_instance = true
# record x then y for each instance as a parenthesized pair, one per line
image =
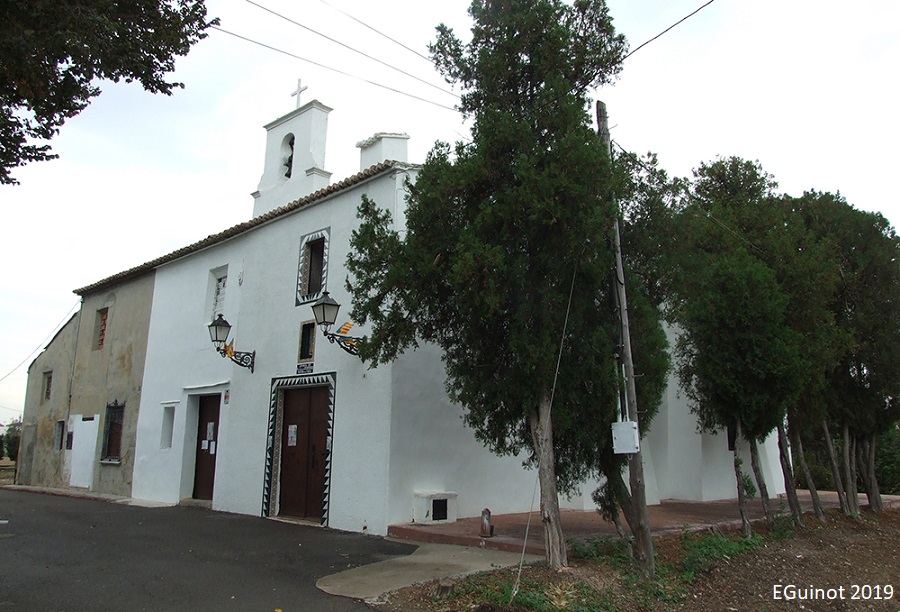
(626, 439)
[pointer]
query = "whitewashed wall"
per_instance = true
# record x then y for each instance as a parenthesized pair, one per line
(694, 466)
(260, 305)
(433, 450)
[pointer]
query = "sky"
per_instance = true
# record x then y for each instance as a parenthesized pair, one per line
(803, 86)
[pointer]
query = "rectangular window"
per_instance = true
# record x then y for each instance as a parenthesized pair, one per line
(218, 302)
(100, 328)
(315, 252)
(60, 431)
(312, 273)
(307, 341)
(112, 435)
(46, 386)
(69, 440)
(168, 427)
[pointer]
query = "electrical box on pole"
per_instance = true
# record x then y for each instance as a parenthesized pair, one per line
(625, 437)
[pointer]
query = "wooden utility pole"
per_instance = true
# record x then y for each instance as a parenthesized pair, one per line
(635, 461)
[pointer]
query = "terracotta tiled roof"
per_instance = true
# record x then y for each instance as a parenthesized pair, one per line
(241, 228)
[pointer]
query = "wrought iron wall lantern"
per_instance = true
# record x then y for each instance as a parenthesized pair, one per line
(326, 310)
(218, 333)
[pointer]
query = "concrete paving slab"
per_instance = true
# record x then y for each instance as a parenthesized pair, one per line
(429, 562)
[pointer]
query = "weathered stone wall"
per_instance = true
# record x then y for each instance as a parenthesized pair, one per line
(40, 462)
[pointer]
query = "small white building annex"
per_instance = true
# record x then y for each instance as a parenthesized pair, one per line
(310, 431)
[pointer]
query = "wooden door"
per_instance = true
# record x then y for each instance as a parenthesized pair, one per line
(207, 447)
(303, 452)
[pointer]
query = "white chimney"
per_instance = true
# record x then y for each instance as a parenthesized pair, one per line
(380, 147)
(295, 158)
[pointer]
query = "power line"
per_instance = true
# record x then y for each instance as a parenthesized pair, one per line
(403, 93)
(43, 342)
(363, 23)
(685, 18)
(346, 46)
(341, 72)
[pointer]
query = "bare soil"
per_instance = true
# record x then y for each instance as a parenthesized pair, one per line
(842, 564)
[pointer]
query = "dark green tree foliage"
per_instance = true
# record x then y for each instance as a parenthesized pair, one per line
(651, 203)
(496, 234)
(738, 357)
(864, 382)
(498, 227)
(54, 52)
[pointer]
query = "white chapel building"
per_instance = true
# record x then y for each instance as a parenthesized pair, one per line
(309, 431)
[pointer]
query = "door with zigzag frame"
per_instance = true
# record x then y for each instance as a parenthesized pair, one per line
(304, 436)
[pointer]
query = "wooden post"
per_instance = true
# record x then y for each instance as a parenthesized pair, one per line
(635, 461)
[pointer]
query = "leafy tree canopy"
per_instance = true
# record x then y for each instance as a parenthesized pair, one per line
(865, 381)
(497, 228)
(54, 52)
(739, 358)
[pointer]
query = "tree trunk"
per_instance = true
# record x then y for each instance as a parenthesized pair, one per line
(542, 436)
(623, 498)
(620, 529)
(861, 453)
(835, 470)
(787, 471)
(626, 502)
(760, 482)
(616, 485)
(811, 486)
(877, 502)
(866, 456)
(854, 472)
(742, 496)
(850, 472)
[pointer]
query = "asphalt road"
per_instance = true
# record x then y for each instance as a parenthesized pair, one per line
(73, 555)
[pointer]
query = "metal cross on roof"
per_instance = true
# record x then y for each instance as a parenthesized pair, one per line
(300, 89)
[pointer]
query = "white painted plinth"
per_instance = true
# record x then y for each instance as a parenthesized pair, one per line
(423, 505)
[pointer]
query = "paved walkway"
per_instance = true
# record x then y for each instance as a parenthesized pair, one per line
(671, 516)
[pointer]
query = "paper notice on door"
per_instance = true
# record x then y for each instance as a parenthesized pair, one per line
(212, 448)
(210, 431)
(292, 435)
(204, 445)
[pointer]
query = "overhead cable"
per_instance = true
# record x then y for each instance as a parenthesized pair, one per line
(44, 341)
(346, 46)
(341, 72)
(363, 23)
(683, 19)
